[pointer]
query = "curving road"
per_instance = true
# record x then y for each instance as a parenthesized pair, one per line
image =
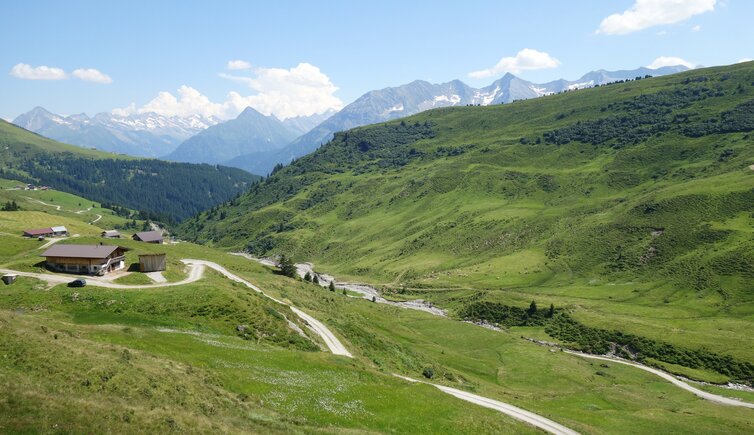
(513, 411)
(672, 379)
(196, 272)
(332, 342)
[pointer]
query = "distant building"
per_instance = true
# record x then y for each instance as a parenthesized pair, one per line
(152, 262)
(46, 232)
(111, 234)
(88, 259)
(59, 231)
(39, 232)
(148, 237)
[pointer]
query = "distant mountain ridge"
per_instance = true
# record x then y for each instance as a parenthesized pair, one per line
(250, 132)
(141, 135)
(396, 102)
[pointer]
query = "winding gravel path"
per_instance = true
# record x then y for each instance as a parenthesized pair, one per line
(513, 411)
(196, 272)
(332, 342)
(672, 379)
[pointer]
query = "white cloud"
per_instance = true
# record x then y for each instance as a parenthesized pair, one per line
(189, 102)
(649, 13)
(91, 75)
(300, 91)
(238, 65)
(27, 72)
(662, 33)
(670, 61)
(696, 28)
(526, 59)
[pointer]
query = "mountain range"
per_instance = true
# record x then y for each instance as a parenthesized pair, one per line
(256, 143)
(141, 135)
(396, 102)
(250, 132)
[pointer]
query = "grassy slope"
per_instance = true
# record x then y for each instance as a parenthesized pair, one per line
(29, 200)
(478, 212)
(142, 184)
(160, 359)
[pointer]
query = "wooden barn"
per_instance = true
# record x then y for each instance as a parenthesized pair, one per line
(152, 262)
(148, 237)
(111, 234)
(86, 259)
(46, 232)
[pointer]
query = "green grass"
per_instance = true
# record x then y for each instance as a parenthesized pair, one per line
(290, 386)
(501, 222)
(652, 237)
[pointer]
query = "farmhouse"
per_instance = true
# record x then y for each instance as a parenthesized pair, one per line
(88, 259)
(148, 237)
(151, 262)
(46, 232)
(59, 231)
(111, 234)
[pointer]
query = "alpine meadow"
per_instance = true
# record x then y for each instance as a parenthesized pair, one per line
(286, 245)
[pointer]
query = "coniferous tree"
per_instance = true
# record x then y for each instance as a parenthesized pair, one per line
(315, 279)
(287, 267)
(532, 308)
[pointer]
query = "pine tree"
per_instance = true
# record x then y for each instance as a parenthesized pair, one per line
(287, 267)
(332, 286)
(551, 312)
(532, 308)
(315, 280)
(308, 277)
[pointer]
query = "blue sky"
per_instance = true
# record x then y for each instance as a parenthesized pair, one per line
(302, 57)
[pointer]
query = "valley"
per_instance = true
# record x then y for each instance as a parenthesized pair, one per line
(191, 326)
(367, 218)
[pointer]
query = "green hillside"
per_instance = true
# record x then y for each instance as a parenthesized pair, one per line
(629, 204)
(173, 359)
(163, 190)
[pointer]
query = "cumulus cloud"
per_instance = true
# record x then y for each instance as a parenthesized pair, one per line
(188, 102)
(649, 13)
(238, 65)
(670, 61)
(299, 91)
(286, 93)
(27, 72)
(526, 59)
(91, 75)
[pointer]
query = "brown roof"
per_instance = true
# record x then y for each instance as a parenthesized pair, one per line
(39, 232)
(149, 236)
(80, 251)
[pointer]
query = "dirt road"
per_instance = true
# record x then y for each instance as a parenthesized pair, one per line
(331, 341)
(196, 272)
(513, 411)
(672, 379)
(366, 291)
